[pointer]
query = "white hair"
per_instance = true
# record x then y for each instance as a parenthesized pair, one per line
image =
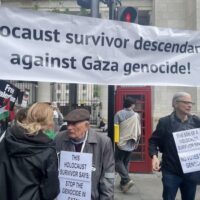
(177, 96)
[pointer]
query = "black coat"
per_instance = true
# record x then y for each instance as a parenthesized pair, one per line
(28, 166)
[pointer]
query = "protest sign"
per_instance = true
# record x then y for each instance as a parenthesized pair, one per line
(8, 95)
(25, 98)
(75, 176)
(52, 47)
(188, 147)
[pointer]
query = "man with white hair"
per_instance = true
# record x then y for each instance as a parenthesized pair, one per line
(162, 140)
(79, 137)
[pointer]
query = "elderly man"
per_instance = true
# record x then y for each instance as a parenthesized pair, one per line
(79, 137)
(162, 139)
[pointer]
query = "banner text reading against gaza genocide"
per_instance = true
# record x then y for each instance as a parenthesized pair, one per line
(42, 46)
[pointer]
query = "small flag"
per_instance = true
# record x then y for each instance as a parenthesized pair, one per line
(4, 113)
(6, 103)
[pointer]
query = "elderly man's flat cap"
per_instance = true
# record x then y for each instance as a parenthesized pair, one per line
(78, 115)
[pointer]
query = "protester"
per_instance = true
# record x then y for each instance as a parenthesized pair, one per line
(162, 139)
(79, 137)
(12, 114)
(63, 127)
(57, 116)
(28, 161)
(21, 115)
(130, 131)
(102, 123)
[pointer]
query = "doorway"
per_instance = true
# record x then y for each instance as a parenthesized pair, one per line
(140, 161)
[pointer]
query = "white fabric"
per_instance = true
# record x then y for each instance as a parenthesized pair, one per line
(130, 129)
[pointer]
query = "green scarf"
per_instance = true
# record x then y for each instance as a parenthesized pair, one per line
(50, 133)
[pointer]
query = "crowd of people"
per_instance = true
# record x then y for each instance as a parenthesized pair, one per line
(30, 147)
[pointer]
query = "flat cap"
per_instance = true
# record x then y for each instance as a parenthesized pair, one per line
(78, 115)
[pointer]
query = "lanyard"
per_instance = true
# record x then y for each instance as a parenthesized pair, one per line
(83, 145)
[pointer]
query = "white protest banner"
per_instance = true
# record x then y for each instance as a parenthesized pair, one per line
(75, 176)
(188, 147)
(51, 47)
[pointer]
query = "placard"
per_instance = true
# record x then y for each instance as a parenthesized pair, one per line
(75, 176)
(188, 147)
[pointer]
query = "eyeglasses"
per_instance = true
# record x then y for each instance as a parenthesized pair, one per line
(186, 102)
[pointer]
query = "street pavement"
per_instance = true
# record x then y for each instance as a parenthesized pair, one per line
(146, 187)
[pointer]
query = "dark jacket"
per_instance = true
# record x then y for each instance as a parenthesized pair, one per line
(103, 161)
(28, 166)
(162, 140)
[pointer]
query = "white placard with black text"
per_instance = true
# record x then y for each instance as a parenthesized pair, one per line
(188, 147)
(75, 176)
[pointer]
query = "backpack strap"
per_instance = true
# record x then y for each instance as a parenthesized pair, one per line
(2, 136)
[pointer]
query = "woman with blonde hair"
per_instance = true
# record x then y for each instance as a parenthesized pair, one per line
(28, 161)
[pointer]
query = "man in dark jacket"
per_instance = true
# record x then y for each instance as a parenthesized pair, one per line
(162, 140)
(80, 138)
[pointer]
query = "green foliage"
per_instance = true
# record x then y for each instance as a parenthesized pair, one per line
(84, 11)
(35, 7)
(96, 91)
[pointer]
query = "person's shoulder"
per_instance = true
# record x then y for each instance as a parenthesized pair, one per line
(136, 114)
(103, 136)
(117, 113)
(164, 119)
(196, 119)
(120, 111)
(99, 136)
(104, 141)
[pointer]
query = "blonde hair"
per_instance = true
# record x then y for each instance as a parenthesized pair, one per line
(39, 117)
